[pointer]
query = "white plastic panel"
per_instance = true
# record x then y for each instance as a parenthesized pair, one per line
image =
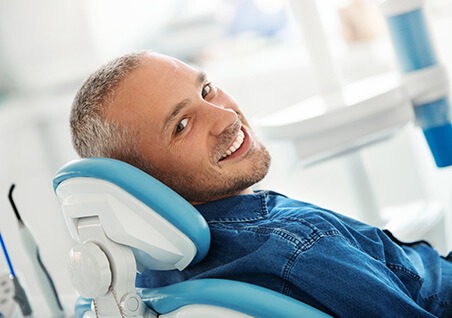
(358, 114)
(125, 220)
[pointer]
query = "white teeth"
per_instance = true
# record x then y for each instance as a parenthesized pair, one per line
(235, 145)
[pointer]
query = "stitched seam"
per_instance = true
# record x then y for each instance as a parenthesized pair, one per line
(261, 213)
(334, 232)
(405, 270)
(435, 298)
(264, 208)
(287, 270)
(301, 245)
(316, 237)
(235, 220)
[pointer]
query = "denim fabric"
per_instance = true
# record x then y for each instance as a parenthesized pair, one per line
(337, 264)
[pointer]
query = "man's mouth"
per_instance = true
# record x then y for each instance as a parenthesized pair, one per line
(235, 145)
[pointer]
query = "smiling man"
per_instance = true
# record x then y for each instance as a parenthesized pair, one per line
(169, 120)
(166, 118)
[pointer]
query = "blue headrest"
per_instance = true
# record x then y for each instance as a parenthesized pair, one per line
(148, 190)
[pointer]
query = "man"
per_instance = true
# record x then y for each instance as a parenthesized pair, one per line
(166, 118)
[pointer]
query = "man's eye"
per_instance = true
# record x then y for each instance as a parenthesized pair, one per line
(206, 89)
(181, 126)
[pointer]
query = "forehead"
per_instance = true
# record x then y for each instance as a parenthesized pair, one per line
(159, 83)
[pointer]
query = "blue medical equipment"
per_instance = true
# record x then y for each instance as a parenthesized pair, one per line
(8, 260)
(41, 274)
(424, 78)
(124, 220)
(19, 295)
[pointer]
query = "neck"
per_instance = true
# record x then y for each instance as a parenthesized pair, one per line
(245, 191)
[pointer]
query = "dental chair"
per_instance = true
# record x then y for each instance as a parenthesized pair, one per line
(124, 221)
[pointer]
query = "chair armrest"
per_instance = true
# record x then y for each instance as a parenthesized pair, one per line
(249, 299)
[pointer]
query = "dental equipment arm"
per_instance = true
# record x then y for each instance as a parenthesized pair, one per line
(41, 274)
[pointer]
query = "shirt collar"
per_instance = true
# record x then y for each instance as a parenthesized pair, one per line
(240, 208)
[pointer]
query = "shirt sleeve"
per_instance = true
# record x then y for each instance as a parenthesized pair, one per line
(350, 283)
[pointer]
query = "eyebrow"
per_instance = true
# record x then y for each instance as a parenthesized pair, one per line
(200, 79)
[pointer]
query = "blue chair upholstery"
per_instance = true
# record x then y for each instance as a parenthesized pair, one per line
(241, 297)
(148, 190)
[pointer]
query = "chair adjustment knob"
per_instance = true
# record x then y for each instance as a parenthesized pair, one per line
(89, 270)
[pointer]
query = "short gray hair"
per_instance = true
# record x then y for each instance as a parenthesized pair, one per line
(92, 134)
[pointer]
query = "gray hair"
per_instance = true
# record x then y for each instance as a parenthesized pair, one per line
(92, 134)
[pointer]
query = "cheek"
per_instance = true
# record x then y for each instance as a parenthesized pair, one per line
(191, 154)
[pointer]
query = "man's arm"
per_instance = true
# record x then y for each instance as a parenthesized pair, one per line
(350, 283)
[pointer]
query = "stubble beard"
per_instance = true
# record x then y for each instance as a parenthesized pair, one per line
(209, 188)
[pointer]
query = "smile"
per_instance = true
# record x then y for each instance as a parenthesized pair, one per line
(235, 145)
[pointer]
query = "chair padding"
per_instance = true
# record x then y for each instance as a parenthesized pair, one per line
(148, 190)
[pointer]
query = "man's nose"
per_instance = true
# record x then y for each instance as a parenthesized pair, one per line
(220, 118)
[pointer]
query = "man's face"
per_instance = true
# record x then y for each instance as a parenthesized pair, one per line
(191, 131)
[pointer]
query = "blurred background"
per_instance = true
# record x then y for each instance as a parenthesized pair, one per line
(257, 50)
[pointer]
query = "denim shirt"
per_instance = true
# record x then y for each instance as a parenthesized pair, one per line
(334, 263)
